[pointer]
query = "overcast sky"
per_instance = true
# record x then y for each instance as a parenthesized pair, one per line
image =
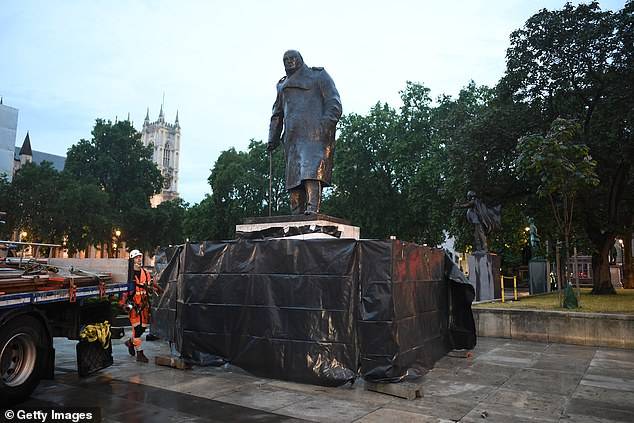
(64, 64)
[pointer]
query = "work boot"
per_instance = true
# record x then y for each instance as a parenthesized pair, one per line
(128, 344)
(141, 357)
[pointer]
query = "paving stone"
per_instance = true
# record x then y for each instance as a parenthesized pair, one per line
(525, 346)
(562, 363)
(208, 387)
(579, 418)
(482, 373)
(616, 383)
(536, 403)
(615, 398)
(612, 354)
(612, 364)
(574, 351)
(457, 389)
(330, 411)
(507, 357)
(611, 372)
(453, 363)
(599, 409)
(441, 407)
(354, 393)
(495, 413)
(543, 381)
(384, 415)
(262, 398)
(161, 379)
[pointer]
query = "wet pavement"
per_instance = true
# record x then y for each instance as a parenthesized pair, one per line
(505, 381)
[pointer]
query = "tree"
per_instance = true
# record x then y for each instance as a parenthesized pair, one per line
(198, 222)
(478, 132)
(386, 175)
(83, 216)
(116, 160)
(169, 218)
(563, 167)
(577, 63)
(239, 184)
(7, 206)
(364, 187)
(35, 203)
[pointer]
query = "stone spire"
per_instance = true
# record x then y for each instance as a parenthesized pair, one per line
(176, 121)
(161, 115)
(147, 117)
(26, 146)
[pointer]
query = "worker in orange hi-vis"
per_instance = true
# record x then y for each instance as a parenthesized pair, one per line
(137, 303)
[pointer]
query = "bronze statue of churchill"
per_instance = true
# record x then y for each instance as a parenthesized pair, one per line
(307, 109)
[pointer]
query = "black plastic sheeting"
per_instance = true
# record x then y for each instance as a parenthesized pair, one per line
(167, 265)
(319, 311)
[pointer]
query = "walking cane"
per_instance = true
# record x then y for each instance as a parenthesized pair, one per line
(270, 178)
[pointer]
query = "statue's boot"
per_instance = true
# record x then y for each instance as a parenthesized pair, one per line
(298, 200)
(313, 196)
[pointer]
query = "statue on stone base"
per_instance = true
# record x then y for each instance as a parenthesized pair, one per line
(307, 108)
(533, 238)
(484, 219)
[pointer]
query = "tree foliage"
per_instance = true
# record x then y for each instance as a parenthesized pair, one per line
(386, 175)
(239, 184)
(36, 202)
(117, 162)
(563, 167)
(576, 63)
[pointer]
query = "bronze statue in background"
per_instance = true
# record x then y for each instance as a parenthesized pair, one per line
(307, 109)
(483, 218)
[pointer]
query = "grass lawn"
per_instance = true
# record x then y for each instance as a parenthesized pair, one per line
(622, 302)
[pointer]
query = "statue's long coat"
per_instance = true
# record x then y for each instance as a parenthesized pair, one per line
(308, 108)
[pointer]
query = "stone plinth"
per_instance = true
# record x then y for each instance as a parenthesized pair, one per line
(313, 222)
(537, 276)
(484, 275)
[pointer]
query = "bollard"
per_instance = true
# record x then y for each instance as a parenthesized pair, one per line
(502, 286)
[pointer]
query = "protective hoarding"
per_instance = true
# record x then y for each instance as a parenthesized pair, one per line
(318, 311)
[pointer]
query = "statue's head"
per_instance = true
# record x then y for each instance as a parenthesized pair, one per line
(471, 195)
(292, 61)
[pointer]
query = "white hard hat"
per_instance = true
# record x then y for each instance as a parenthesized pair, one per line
(135, 253)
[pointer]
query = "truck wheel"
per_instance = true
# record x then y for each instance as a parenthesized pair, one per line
(19, 360)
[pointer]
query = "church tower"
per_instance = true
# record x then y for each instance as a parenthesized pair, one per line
(165, 139)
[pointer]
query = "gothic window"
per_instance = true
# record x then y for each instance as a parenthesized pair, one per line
(166, 158)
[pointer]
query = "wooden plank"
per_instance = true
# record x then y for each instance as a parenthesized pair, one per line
(460, 353)
(406, 390)
(175, 362)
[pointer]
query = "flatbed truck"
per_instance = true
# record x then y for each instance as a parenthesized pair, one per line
(30, 320)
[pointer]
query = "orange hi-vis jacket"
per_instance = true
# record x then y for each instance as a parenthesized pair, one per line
(141, 313)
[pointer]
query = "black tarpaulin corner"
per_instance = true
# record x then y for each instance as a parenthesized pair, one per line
(461, 323)
(167, 267)
(403, 324)
(315, 311)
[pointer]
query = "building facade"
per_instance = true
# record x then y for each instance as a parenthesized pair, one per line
(165, 140)
(8, 131)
